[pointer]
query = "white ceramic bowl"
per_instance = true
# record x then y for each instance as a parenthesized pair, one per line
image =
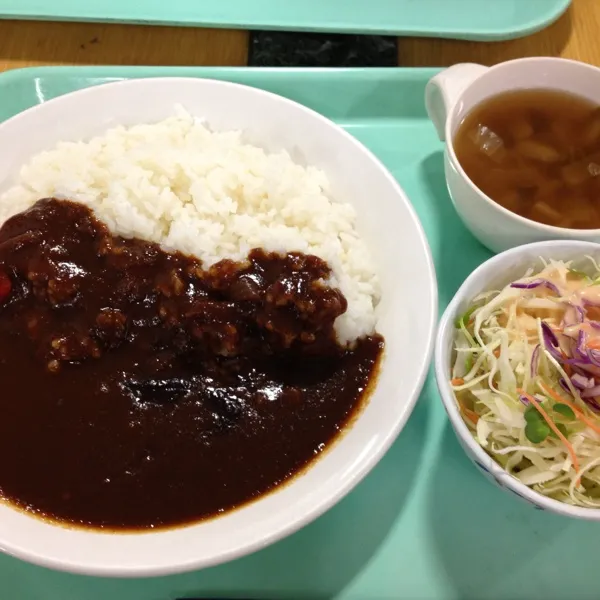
(407, 316)
(492, 274)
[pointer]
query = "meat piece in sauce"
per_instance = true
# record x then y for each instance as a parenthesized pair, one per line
(111, 327)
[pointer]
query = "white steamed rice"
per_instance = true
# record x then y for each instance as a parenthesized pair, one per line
(207, 194)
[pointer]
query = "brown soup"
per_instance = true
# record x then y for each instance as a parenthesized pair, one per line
(536, 153)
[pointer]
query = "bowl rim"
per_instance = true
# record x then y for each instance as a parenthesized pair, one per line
(564, 232)
(324, 502)
(442, 364)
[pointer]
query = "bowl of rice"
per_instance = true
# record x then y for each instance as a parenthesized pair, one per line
(517, 366)
(212, 170)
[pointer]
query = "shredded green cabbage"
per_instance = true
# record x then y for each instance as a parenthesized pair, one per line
(532, 405)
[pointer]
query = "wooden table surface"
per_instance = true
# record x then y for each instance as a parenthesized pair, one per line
(576, 35)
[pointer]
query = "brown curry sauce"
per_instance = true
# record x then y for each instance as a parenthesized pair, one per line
(141, 390)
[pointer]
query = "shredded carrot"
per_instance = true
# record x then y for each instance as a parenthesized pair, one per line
(472, 416)
(457, 381)
(497, 352)
(593, 344)
(566, 366)
(535, 403)
(578, 412)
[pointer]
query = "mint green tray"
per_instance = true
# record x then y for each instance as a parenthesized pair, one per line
(424, 524)
(484, 20)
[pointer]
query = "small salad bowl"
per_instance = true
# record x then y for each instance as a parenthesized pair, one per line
(495, 274)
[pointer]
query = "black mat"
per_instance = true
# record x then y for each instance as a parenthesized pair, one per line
(281, 49)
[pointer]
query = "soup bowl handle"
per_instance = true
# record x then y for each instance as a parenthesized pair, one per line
(443, 91)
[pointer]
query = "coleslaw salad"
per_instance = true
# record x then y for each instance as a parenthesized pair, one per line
(526, 377)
